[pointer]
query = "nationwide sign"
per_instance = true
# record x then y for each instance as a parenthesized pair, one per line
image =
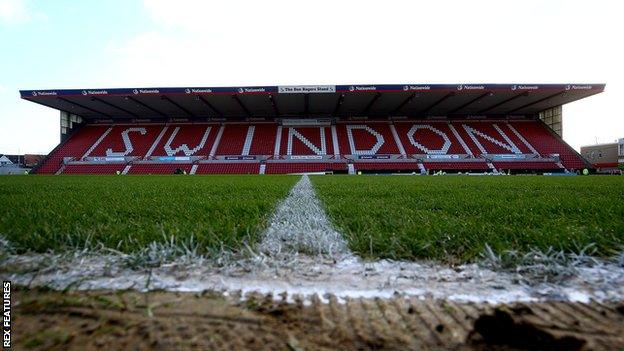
(374, 157)
(251, 90)
(362, 88)
(198, 90)
(416, 87)
(306, 157)
(442, 156)
(525, 87)
(94, 92)
(311, 89)
(578, 87)
(145, 91)
(44, 93)
(470, 87)
(305, 89)
(239, 158)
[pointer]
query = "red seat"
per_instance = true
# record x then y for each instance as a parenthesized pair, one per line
(366, 136)
(303, 167)
(526, 165)
(430, 135)
(547, 144)
(456, 165)
(234, 137)
(386, 166)
(158, 168)
(139, 137)
(228, 168)
(75, 147)
(94, 168)
(353, 137)
(307, 141)
(263, 142)
(187, 140)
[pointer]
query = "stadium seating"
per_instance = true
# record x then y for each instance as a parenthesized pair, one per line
(457, 165)
(422, 138)
(228, 168)
(303, 167)
(125, 140)
(488, 138)
(526, 165)
(158, 168)
(386, 166)
(366, 138)
(404, 145)
(263, 142)
(546, 143)
(94, 168)
(306, 141)
(233, 139)
(516, 138)
(186, 140)
(74, 147)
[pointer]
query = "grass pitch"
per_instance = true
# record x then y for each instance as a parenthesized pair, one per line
(448, 218)
(41, 213)
(452, 218)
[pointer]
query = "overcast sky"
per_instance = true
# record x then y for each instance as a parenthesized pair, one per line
(124, 43)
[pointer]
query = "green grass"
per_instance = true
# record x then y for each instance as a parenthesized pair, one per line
(443, 218)
(41, 213)
(452, 218)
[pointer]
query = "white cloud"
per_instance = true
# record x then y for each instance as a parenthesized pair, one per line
(362, 41)
(271, 42)
(369, 41)
(13, 11)
(26, 127)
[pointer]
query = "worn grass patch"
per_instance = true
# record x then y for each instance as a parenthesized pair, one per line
(452, 218)
(126, 213)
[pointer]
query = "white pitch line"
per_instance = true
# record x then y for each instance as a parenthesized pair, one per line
(300, 225)
(309, 276)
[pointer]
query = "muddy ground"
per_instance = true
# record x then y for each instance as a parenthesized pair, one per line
(108, 320)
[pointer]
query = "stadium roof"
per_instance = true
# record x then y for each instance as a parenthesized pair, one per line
(413, 100)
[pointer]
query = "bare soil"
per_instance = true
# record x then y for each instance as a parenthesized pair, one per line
(111, 320)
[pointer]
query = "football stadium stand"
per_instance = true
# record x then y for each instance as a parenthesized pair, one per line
(299, 129)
